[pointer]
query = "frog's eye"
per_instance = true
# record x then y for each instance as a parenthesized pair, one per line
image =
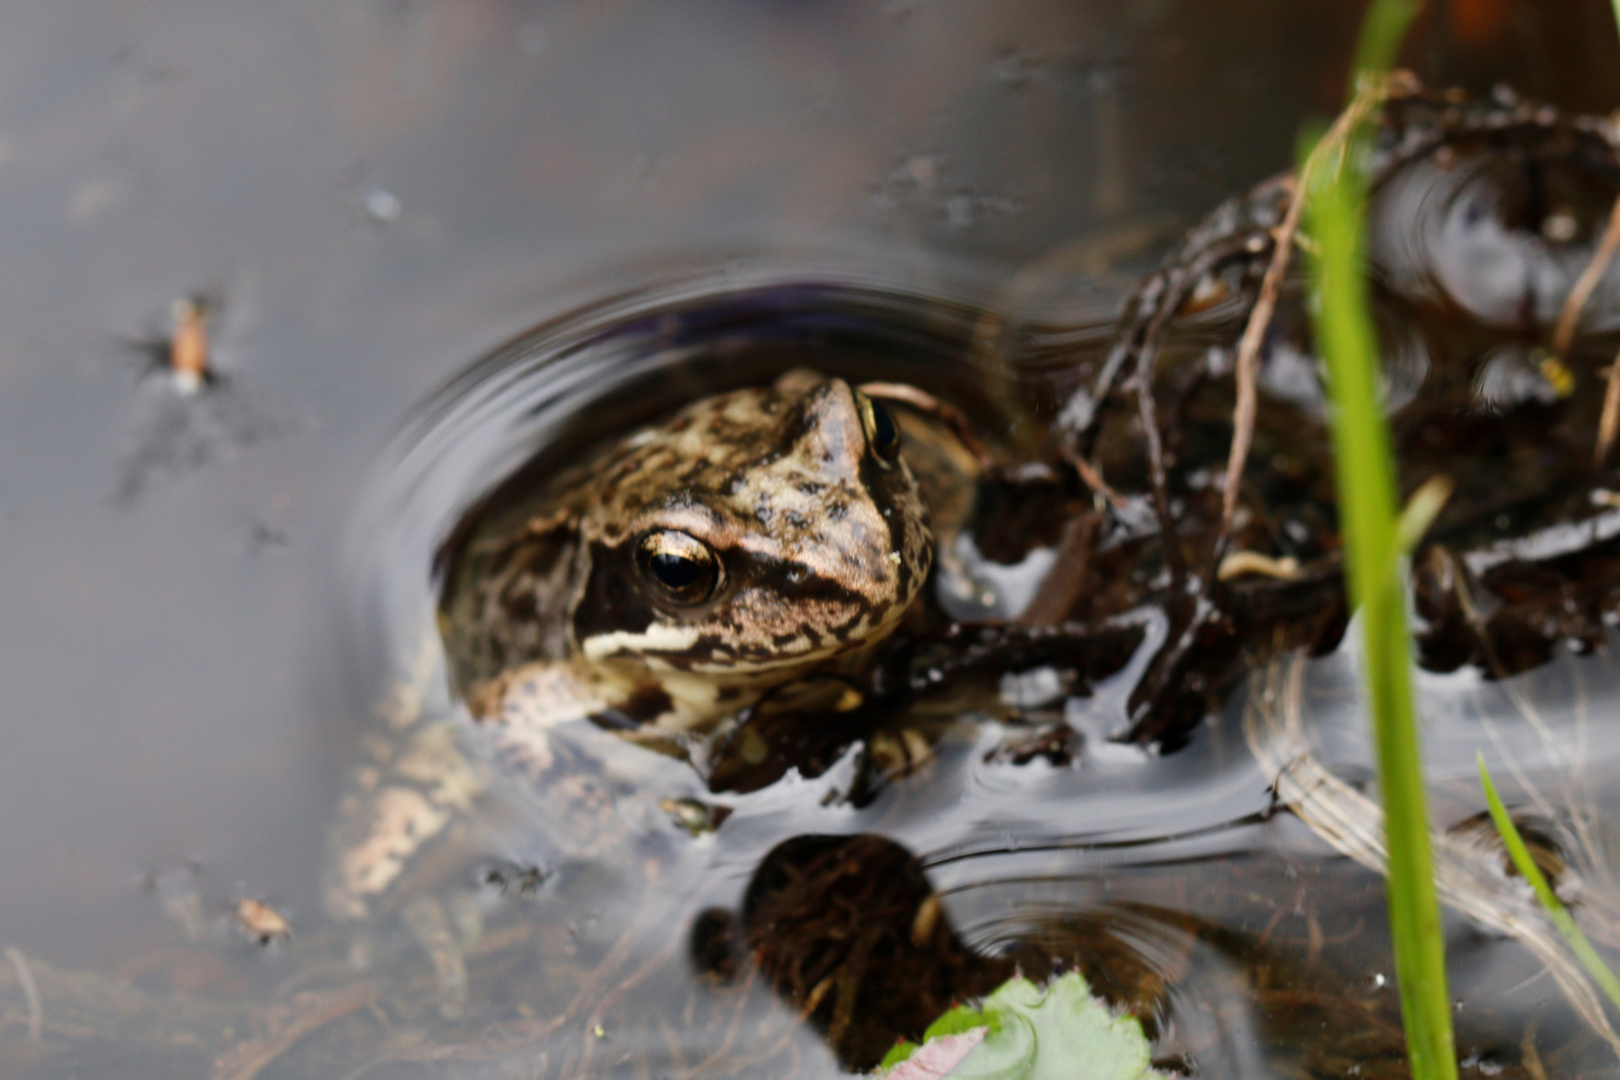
(882, 433)
(679, 566)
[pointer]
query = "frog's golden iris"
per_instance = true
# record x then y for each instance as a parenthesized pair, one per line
(680, 568)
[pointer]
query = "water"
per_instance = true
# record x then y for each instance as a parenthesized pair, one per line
(1035, 864)
(382, 192)
(1167, 879)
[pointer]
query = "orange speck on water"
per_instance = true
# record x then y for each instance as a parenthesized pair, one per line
(188, 348)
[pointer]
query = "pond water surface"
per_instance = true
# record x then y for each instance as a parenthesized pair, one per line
(207, 600)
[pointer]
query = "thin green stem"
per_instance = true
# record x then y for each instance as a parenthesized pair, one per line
(1374, 541)
(1520, 854)
(1382, 32)
(1368, 509)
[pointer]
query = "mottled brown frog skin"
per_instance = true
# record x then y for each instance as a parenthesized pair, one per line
(750, 545)
(753, 538)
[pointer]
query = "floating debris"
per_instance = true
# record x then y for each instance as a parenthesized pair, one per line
(510, 876)
(260, 921)
(194, 414)
(1059, 744)
(697, 818)
(188, 348)
(183, 352)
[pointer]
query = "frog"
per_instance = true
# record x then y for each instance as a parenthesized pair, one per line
(755, 537)
(758, 545)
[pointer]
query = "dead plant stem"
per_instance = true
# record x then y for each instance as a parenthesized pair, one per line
(1585, 285)
(1372, 93)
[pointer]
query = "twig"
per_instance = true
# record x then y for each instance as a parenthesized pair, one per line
(25, 979)
(731, 1029)
(307, 1013)
(611, 998)
(1249, 352)
(1063, 583)
(1586, 284)
(1609, 422)
(1088, 472)
(1147, 412)
(1371, 94)
(85, 1005)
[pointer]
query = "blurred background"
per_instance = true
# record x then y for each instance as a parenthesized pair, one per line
(375, 192)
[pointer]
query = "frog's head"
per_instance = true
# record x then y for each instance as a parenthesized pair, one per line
(753, 535)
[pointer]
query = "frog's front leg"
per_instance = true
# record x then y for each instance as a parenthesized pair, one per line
(405, 798)
(401, 837)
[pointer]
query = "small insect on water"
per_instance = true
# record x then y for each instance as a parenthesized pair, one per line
(188, 347)
(260, 921)
(184, 350)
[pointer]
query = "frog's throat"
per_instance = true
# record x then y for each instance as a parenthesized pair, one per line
(543, 694)
(547, 693)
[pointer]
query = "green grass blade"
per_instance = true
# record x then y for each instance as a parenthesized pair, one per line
(1382, 32)
(1367, 504)
(1375, 539)
(1520, 854)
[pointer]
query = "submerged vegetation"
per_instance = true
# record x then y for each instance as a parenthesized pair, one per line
(1525, 863)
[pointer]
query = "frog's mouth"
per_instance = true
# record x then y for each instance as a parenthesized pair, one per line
(701, 650)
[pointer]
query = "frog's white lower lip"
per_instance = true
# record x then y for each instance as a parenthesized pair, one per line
(658, 637)
(665, 647)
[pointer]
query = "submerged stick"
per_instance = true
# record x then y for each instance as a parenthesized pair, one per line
(1585, 285)
(1609, 422)
(72, 1005)
(1372, 93)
